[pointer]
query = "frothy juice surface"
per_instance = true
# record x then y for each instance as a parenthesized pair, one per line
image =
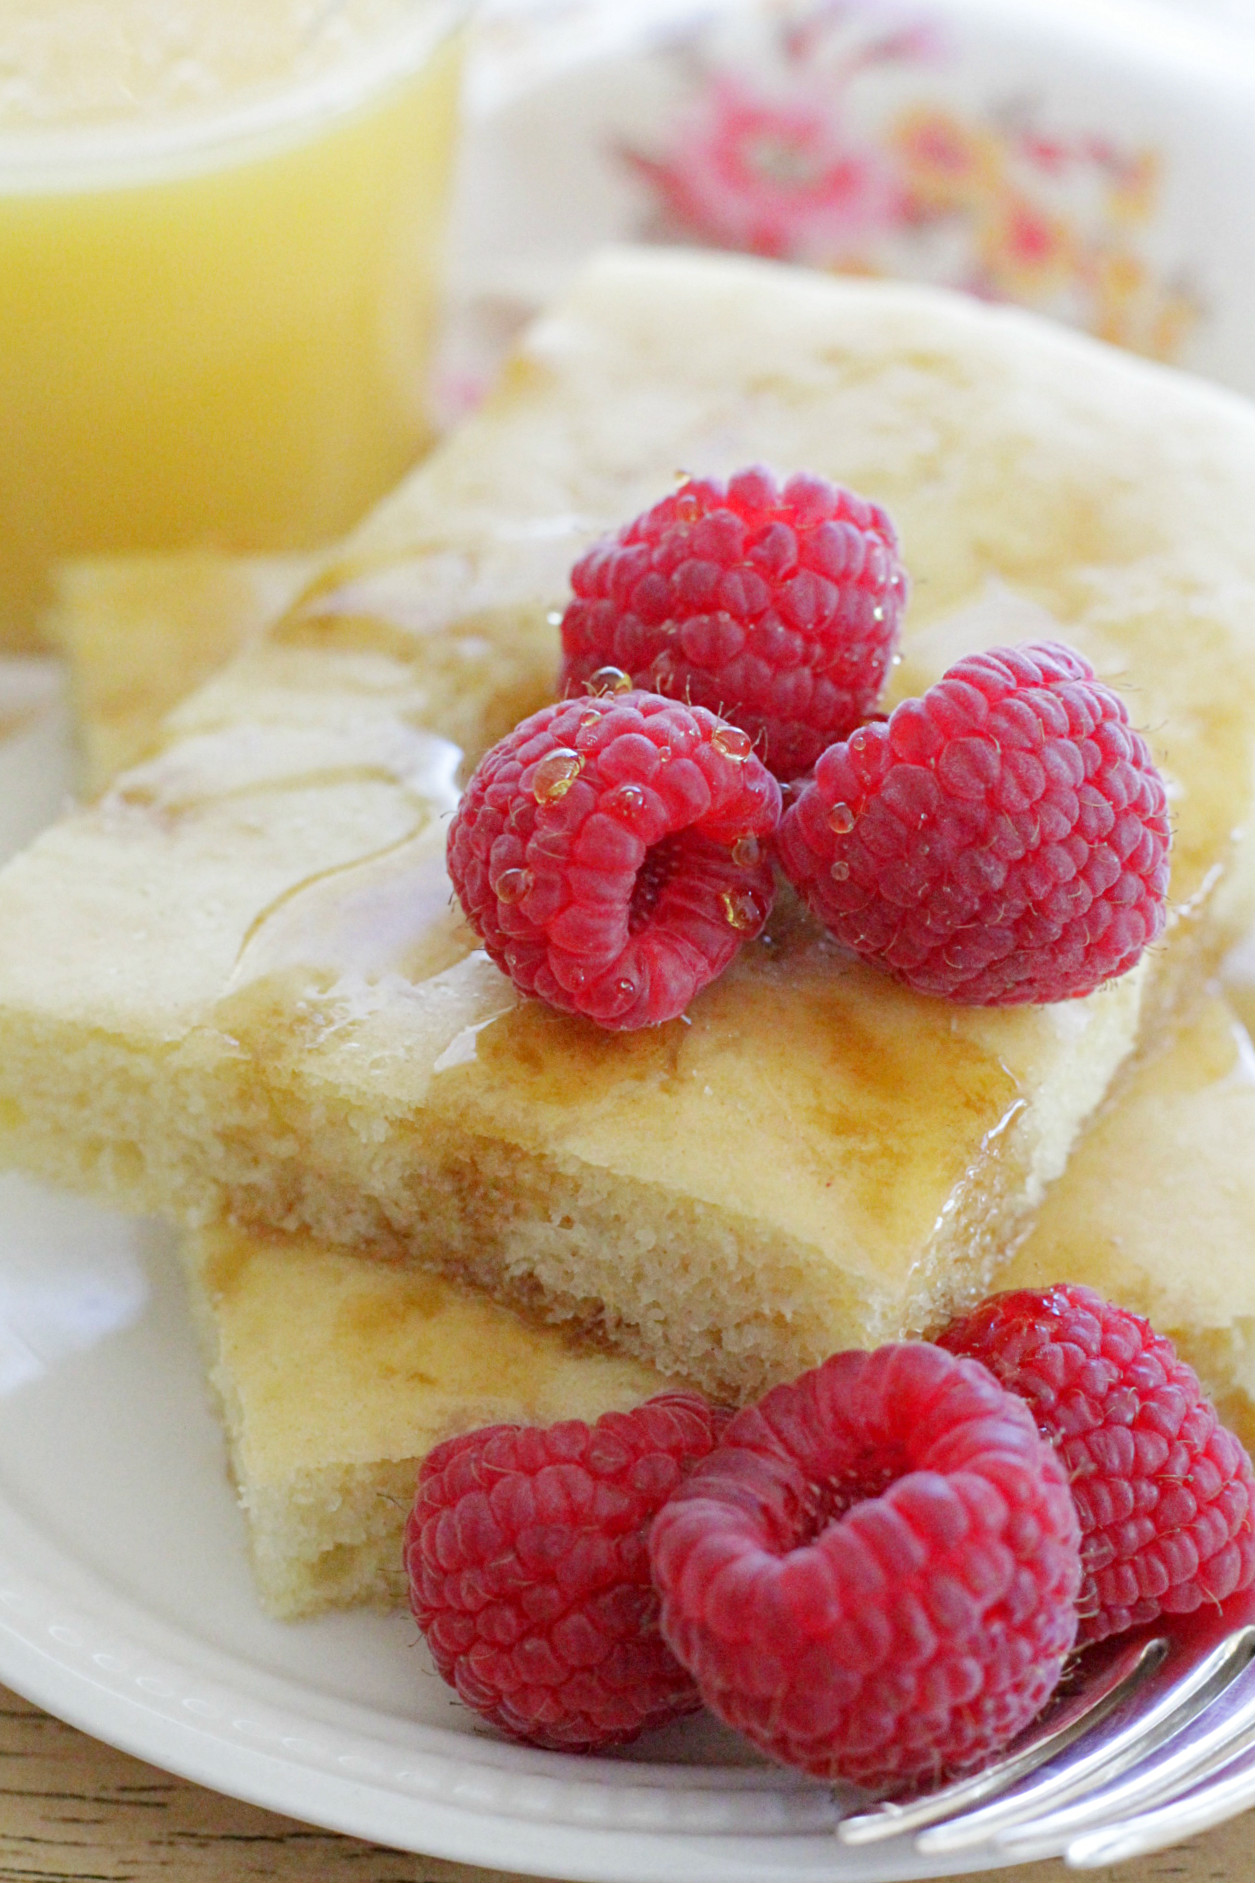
(219, 243)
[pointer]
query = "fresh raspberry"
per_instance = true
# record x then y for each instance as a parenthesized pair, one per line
(528, 1562)
(1002, 839)
(1164, 1493)
(778, 609)
(874, 1573)
(613, 853)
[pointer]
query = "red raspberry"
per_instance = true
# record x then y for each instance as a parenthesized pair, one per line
(613, 854)
(874, 1574)
(1164, 1493)
(778, 609)
(528, 1561)
(1002, 839)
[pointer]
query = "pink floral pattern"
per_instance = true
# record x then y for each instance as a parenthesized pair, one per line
(832, 149)
(776, 178)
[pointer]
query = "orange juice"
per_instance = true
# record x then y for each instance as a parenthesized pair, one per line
(219, 232)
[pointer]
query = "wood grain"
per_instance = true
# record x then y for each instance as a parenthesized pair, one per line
(71, 1808)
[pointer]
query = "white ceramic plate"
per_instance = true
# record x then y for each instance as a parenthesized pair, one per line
(125, 1600)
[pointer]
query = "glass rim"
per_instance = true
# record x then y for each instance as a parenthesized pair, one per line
(91, 157)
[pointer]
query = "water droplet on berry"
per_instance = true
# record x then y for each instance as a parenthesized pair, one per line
(687, 508)
(747, 851)
(839, 871)
(555, 774)
(512, 885)
(732, 742)
(841, 819)
(742, 908)
(664, 753)
(588, 719)
(878, 614)
(626, 801)
(858, 740)
(609, 680)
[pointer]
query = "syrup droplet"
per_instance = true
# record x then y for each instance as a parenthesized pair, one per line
(609, 680)
(841, 819)
(742, 909)
(839, 871)
(747, 851)
(555, 774)
(732, 742)
(626, 801)
(512, 885)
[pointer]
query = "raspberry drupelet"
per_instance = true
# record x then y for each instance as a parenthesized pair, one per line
(777, 608)
(1002, 839)
(1164, 1492)
(874, 1573)
(529, 1571)
(613, 853)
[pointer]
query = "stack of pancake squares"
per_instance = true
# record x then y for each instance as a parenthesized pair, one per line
(233, 990)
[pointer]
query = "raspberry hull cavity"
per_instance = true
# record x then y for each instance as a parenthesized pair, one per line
(874, 1574)
(613, 853)
(1164, 1493)
(1003, 839)
(529, 1571)
(777, 608)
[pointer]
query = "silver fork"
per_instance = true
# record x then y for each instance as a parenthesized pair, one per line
(1151, 1739)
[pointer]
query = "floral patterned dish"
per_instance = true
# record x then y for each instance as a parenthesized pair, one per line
(1096, 169)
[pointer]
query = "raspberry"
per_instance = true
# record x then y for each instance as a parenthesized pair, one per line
(613, 854)
(874, 1573)
(1164, 1493)
(528, 1563)
(778, 609)
(1002, 839)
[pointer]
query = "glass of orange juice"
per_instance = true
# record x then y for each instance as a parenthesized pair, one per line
(220, 226)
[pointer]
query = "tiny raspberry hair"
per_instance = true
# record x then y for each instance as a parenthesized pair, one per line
(528, 1566)
(777, 608)
(1164, 1492)
(874, 1573)
(613, 853)
(1005, 838)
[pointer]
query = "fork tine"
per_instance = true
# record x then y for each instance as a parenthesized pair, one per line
(1210, 1742)
(1062, 1723)
(1222, 1797)
(1191, 1674)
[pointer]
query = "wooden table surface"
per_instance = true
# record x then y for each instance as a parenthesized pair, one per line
(71, 1808)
